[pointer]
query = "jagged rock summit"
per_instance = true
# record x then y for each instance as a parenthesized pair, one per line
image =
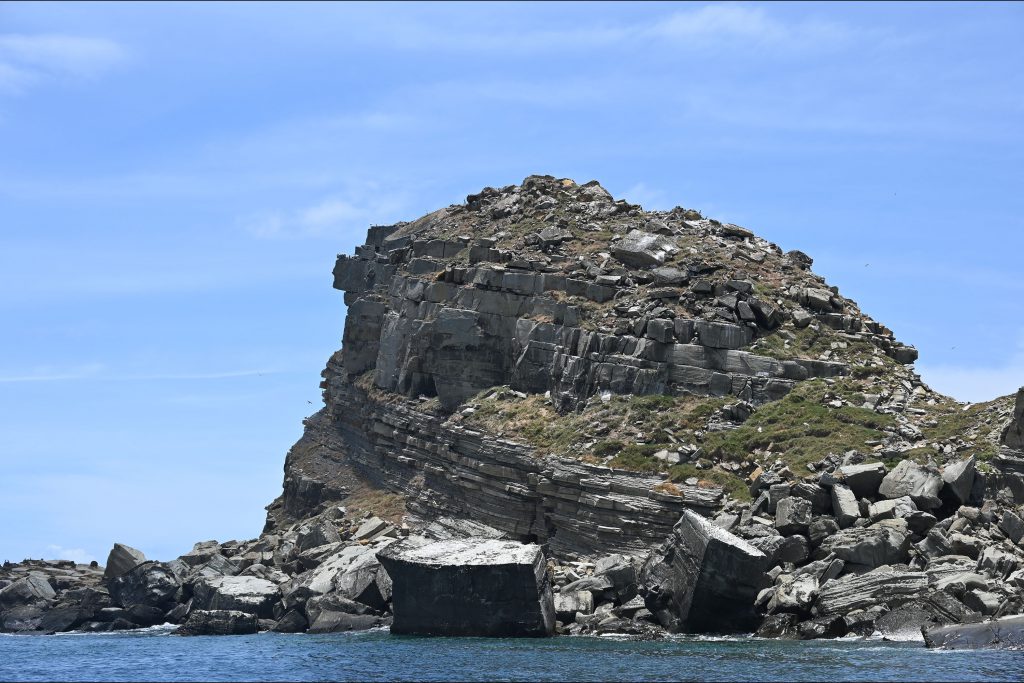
(683, 425)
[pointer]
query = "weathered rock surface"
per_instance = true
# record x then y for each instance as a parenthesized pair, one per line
(151, 583)
(469, 588)
(219, 623)
(870, 547)
(122, 558)
(703, 578)
(910, 479)
(1005, 633)
(881, 586)
(246, 594)
(1013, 436)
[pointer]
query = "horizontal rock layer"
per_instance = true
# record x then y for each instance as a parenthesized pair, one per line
(450, 471)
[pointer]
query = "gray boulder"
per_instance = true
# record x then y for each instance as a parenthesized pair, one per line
(1013, 526)
(236, 593)
(121, 559)
(469, 588)
(844, 505)
(793, 516)
(568, 605)
(862, 591)
(704, 578)
(218, 623)
(292, 621)
(870, 547)
(641, 249)
(334, 613)
(150, 583)
(354, 572)
(863, 480)
(794, 594)
(33, 588)
(958, 480)
(620, 571)
(24, 604)
(921, 483)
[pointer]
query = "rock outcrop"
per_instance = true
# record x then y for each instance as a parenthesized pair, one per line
(1013, 436)
(463, 588)
(631, 421)
(704, 579)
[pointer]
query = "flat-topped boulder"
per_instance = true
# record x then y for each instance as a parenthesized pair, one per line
(239, 593)
(469, 588)
(704, 579)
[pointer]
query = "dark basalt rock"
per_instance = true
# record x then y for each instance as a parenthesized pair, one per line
(219, 623)
(469, 588)
(704, 579)
(150, 583)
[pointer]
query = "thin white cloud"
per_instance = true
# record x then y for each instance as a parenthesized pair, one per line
(78, 555)
(26, 60)
(50, 375)
(716, 23)
(333, 216)
(698, 28)
(648, 197)
(95, 372)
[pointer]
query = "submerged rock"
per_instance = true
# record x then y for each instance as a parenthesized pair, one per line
(469, 588)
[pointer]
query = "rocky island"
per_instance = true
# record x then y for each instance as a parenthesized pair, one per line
(554, 412)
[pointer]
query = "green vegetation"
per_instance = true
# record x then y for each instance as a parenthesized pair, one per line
(628, 428)
(864, 359)
(952, 421)
(801, 429)
(733, 484)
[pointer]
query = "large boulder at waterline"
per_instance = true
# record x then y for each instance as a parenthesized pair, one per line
(469, 588)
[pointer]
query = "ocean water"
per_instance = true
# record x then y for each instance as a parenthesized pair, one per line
(155, 655)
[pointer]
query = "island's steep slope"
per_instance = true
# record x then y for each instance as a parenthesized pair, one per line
(570, 368)
(697, 431)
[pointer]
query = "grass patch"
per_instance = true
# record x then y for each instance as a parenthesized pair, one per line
(638, 458)
(384, 504)
(800, 429)
(733, 484)
(951, 422)
(625, 426)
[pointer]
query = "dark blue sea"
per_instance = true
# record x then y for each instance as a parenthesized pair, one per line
(155, 655)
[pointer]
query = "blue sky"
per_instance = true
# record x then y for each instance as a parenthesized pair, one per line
(176, 180)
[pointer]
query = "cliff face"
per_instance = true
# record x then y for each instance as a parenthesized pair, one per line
(552, 299)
